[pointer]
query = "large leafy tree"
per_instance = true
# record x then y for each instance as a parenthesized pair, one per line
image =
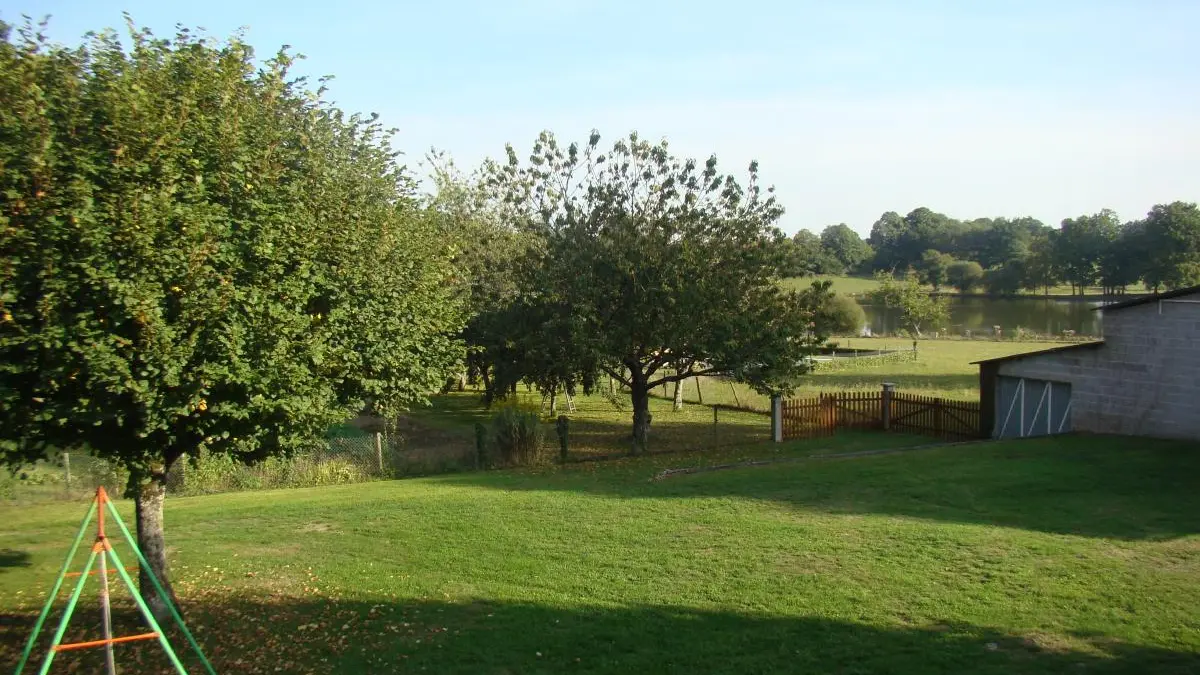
(661, 268)
(489, 257)
(844, 244)
(1080, 245)
(198, 253)
(1040, 270)
(1172, 241)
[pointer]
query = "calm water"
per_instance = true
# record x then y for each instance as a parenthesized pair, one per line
(979, 315)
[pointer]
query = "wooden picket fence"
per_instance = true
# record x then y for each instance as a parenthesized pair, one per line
(926, 415)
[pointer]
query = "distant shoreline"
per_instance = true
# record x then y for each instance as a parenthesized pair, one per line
(1101, 299)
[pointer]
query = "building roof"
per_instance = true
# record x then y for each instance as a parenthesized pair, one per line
(1154, 297)
(1052, 350)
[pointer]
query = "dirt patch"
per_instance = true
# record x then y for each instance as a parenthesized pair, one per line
(309, 528)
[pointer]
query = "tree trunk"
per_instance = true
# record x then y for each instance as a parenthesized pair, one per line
(554, 403)
(489, 394)
(678, 404)
(640, 394)
(149, 495)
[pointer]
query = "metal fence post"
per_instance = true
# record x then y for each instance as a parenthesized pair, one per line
(777, 418)
(67, 468)
(885, 406)
(379, 450)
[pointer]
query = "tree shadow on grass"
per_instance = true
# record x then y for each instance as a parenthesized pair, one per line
(13, 558)
(287, 635)
(1099, 486)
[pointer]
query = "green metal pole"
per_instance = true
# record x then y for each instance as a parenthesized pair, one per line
(158, 587)
(62, 625)
(37, 627)
(137, 597)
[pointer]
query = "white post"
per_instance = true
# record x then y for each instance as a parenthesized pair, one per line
(379, 450)
(776, 418)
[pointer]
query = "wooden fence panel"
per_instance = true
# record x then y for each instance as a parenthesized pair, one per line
(926, 415)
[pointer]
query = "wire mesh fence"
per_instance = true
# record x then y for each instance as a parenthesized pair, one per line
(373, 450)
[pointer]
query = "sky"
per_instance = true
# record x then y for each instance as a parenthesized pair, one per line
(1047, 108)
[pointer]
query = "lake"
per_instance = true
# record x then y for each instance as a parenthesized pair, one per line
(1040, 315)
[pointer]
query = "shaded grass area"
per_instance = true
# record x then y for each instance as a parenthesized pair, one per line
(598, 428)
(1066, 554)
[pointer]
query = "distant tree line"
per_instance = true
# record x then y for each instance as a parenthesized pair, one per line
(1004, 256)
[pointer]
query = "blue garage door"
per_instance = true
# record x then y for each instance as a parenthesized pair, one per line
(1027, 407)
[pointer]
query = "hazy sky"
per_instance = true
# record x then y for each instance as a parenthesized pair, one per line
(1049, 108)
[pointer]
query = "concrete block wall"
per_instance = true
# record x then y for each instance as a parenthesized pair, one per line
(1144, 381)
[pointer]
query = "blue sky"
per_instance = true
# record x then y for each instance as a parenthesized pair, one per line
(1051, 108)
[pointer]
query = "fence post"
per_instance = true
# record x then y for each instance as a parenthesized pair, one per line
(885, 406)
(379, 450)
(938, 404)
(67, 467)
(777, 418)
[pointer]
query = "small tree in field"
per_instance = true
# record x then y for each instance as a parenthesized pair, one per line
(919, 309)
(196, 253)
(661, 269)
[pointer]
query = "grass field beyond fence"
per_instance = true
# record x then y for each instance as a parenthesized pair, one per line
(1068, 554)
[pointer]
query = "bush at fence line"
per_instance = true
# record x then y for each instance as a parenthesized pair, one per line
(209, 473)
(516, 437)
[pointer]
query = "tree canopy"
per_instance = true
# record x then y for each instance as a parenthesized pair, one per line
(655, 268)
(199, 253)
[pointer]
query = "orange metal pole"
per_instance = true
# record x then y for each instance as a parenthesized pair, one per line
(100, 643)
(101, 497)
(111, 570)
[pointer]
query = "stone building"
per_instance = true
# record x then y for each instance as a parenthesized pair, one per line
(1142, 379)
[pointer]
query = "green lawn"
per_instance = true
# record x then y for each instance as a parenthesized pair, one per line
(942, 368)
(1058, 555)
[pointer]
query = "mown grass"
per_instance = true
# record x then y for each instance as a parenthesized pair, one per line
(1068, 554)
(942, 368)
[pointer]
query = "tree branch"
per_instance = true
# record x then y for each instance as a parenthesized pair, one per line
(617, 376)
(667, 379)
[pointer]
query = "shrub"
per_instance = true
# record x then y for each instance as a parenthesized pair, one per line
(841, 315)
(964, 275)
(516, 437)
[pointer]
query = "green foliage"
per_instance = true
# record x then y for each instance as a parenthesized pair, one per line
(1041, 267)
(1172, 239)
(198, 252)
(516, 438)
(846, 246)
(805, 254)
(964, 275)
(1006, 279)
(652, 268)
(918, 308)
(840, 315)
(213, 472)
(1080, 245)
(934, 267)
